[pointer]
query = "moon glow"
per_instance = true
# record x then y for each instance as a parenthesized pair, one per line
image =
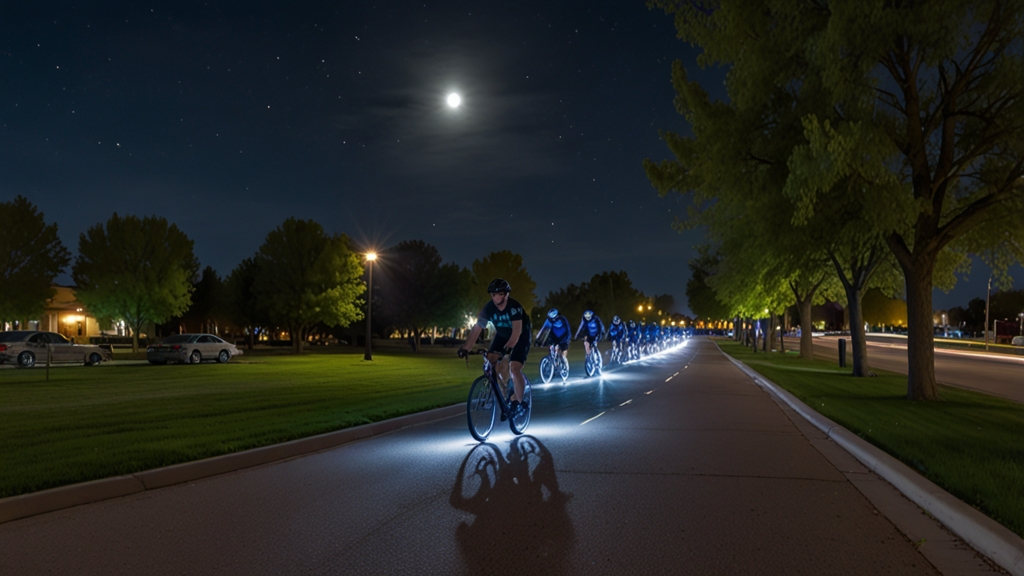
(454, 100)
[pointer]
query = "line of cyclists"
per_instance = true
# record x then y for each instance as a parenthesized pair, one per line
(630, 341)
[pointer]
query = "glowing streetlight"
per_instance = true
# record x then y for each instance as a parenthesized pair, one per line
(370, 257)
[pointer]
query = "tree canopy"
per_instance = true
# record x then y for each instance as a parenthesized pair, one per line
(139, 270)
(31, 257)
(508, 265)
(417, 291)
(305, 276)
(911, 111)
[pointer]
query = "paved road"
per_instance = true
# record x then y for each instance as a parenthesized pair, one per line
(996, 374)
(679, 464)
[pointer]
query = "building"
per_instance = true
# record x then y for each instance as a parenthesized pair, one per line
(66, 315)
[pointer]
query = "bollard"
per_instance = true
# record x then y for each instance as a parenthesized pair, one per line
(842, 352)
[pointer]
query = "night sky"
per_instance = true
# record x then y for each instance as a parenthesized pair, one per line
(227, 118)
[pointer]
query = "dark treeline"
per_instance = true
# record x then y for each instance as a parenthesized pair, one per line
(302, 284)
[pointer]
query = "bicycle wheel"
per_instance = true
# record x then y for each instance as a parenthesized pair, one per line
(521, 419)
(481, 408)
(589, 366)
(547, 369)
(598, 360)
(563, 369)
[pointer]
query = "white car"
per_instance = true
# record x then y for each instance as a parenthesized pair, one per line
(1018, 341)
(191, 349)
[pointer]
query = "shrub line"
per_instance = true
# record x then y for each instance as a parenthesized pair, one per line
(984, 534)
(43, 501)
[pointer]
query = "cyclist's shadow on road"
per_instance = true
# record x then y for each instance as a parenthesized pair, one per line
(521, 521)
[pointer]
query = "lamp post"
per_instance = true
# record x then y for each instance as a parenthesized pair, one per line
(988, 297)
(370, 257)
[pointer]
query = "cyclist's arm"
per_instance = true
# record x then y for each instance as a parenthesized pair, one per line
(543, 330)
(471, 339)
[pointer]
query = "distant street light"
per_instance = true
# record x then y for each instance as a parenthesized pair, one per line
(370, 257)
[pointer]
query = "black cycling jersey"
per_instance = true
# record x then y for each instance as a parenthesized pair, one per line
(502, 320)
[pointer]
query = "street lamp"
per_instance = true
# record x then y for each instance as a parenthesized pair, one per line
(370, 257)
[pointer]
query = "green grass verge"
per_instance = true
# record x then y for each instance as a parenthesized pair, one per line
(970, 444)
(94, 422)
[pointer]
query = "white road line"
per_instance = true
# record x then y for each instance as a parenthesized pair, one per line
(669, 378)
(649, 391)
(594, 418)
(626, 402)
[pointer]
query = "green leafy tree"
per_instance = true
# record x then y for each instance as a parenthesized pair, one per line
(928, 110)
(242, 305)
(305, 276)
(137, 270)
(31, 257)
(701, 297)
(208, 309)
(418, 292)
(508, 265)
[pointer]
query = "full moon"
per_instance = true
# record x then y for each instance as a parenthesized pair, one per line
(454, 100)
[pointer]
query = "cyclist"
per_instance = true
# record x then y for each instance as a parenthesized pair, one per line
(558, 333)
(634, 337)
(595, 329)
(512, 335)
(617, 335)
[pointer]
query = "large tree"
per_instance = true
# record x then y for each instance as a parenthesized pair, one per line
(208, 309)
(508, 265)
(31, 257)
(925, 116)
(139, 270)
(242, 305)
(305, 276)
(418, 292)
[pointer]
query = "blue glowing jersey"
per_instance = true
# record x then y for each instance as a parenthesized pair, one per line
(595, 328)
(559, 328)
(617, 332)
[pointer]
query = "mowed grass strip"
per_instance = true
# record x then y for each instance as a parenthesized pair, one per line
(96, 422)
(970, 444)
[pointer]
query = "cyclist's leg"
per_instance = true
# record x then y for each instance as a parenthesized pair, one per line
(516, 361)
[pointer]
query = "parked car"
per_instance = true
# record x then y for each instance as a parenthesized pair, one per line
(1017, 341)
(191, 349)
(27, 347)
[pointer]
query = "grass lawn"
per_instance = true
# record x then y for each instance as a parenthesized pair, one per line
(95, 422)
(970, 444)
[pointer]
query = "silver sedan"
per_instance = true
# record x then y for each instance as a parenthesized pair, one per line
(28, 347)
(191, 349)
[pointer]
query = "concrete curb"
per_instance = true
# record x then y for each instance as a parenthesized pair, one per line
(25, 505)
(984, 534)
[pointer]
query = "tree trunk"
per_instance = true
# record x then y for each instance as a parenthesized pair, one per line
(920, 338)
(806, 340)
(297, 339)
(859, 344)
(771, 332)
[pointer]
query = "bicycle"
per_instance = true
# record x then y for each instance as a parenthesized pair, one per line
(554, 362)
(593, 363)
(617, 355)
(485, 400)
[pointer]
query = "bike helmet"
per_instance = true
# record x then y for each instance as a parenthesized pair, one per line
(553, 313)
(632, 324)
(616, 320)
(588, 314)
(498, 285)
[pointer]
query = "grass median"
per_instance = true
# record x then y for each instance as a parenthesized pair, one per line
(970, 444)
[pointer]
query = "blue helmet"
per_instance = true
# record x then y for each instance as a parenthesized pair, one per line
(553, 313)
(588, 314)
(616, 320)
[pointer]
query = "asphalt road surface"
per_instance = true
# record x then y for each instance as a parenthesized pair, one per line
(678, 464)
(996, 374)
